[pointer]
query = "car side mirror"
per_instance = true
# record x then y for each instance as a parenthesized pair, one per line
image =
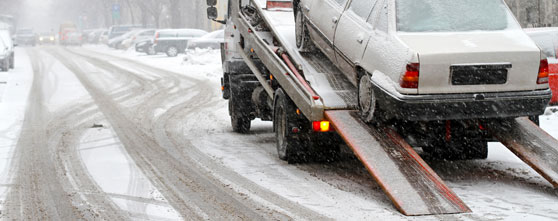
(211, 13)
(211, 2)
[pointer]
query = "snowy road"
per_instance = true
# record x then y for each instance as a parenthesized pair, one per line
(92, 133)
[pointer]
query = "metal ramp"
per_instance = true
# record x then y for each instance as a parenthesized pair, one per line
(530, 143)
(410, 183)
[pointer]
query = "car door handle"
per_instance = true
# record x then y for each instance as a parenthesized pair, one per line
(334, 20)
(360, 39)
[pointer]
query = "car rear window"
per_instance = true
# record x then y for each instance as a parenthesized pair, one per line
(546, 44)
(453, 16)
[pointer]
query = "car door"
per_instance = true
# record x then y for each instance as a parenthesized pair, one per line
(352, 35)
(324, 16)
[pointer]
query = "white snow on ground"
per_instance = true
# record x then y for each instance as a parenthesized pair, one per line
(115, 172)
(15, 86)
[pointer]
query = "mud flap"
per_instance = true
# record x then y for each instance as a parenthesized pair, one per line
(409, 182)
(530, 143)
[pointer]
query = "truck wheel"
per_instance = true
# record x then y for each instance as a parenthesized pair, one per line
(366, 98)
(240, 120)
(172, 51)
(303, 42)
(288, 145)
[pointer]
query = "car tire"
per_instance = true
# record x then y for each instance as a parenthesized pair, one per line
(303, 41)
(172, 51)
(150, 51)
(5, 65)
(288, 145)
(366, 99)
(12, 62)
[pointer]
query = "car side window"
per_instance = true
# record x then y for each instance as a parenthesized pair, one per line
(362, 7)
(382, 21)
(341, 2)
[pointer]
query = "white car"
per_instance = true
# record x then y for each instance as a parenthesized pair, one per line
(429, 59)
(7, 38)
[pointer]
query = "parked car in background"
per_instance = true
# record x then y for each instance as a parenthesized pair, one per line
(47, 38)
(95, 36)
(118, 30)
(7, 38)
(75, 38)
(4, 56)
(103, 38)
(144, 34)
(145, 46)
(547, 40)
(429, 60)
(211, 40)
(26, 37)
(174, 41)
(117, 41)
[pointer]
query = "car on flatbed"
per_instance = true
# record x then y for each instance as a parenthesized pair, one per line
(429, 59)
(174, 41)
(211, 40)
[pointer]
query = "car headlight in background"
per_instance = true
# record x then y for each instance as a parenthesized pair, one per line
(52, 38)
(41, 39)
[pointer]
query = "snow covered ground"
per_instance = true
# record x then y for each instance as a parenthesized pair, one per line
(125, 169)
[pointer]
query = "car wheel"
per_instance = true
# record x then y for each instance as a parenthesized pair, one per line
(12, 62)
(5, 65)
(172, 51)
(288, 146)
(303, 42)
(366, 98)
(150, 51)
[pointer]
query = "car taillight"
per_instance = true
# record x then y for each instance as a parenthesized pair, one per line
(156, 37)
(543, 72)
(411, 77)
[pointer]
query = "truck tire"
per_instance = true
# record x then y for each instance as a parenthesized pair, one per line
(288, 145)
(239, 109)
(172, 51)
(366, 99)
(303, 41)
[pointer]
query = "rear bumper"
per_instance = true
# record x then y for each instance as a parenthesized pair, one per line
(463, 106)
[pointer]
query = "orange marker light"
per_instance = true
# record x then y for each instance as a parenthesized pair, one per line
(320, 126)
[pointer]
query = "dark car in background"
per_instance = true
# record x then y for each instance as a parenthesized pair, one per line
(547, 40)
(211, 40)
(174, 41)
(118, 30)
(146, 46)
(26, 37)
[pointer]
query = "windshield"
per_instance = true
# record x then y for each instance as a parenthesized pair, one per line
(453, 16)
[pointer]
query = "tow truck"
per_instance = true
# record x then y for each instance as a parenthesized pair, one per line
(313, 107)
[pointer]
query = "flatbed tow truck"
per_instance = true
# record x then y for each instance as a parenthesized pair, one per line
(309, 100)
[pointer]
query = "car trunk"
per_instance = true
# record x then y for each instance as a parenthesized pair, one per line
(475, 62)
